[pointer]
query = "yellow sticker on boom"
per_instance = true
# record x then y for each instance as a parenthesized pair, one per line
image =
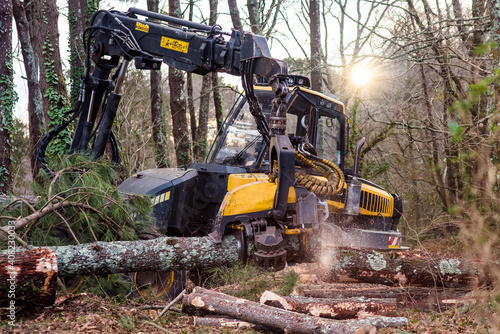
(174, 44)
(141, 27)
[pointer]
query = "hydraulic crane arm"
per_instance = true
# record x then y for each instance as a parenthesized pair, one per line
(114, 39)
(185, 45)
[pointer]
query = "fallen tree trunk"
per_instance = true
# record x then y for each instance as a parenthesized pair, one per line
(340, 308)
(219, 303)
(402, 268)
(161, 254)
(28, 278)
(409, 297)
(35, 272)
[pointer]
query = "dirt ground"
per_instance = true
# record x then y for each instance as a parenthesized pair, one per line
(87, 313)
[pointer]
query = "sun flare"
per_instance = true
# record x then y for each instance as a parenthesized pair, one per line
(361, 76)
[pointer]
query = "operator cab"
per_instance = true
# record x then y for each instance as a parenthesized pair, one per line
(311, 116)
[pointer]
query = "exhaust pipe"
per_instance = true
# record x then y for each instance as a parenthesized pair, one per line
(354, 186)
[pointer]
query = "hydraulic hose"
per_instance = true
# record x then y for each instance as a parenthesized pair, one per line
(334, 176)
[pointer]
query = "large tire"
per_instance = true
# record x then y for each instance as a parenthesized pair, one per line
(158, 284)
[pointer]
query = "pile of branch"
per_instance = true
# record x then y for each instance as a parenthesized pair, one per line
(211, 302)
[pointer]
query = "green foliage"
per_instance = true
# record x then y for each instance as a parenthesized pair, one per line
(93, 208)
(247, 282)
(485, 48)
(116, 285)
(8, 99)
(456, 131)
(127, 322)
(289, 282)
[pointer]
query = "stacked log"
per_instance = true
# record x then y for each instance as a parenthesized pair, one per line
(219, 303)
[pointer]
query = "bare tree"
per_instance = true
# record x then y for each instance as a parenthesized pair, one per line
(316, 54)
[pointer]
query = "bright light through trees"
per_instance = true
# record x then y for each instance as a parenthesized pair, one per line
(361, 76)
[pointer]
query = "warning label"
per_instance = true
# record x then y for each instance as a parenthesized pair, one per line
(141, 27)
(174, 44)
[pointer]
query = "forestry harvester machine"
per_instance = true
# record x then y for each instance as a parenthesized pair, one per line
(277, 165)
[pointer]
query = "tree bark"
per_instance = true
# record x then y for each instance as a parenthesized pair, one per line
(36, 114)
(178, 104)
(235, 15)
(334, 308)
(215, 302)
(215, 76)
(253, 16)
(402, 268)
(200, 147)
(8, 96)
(157, 115)
(28, 278)
(218, 100)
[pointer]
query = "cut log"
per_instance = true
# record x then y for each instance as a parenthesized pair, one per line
(339, 308)
(409, 297)
(403, 267)
(28, 278)
(245, 310)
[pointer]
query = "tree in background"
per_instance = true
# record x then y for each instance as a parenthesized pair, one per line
(7, 97)
(178, 104)
(79, 14)
(157, 112)
(45, 35)
(200, 146)
(36, 114)
(316, 53)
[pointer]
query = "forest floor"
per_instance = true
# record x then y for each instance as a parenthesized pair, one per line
(89, 313)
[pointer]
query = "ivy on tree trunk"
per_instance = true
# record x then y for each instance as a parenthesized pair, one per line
(7, 96)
